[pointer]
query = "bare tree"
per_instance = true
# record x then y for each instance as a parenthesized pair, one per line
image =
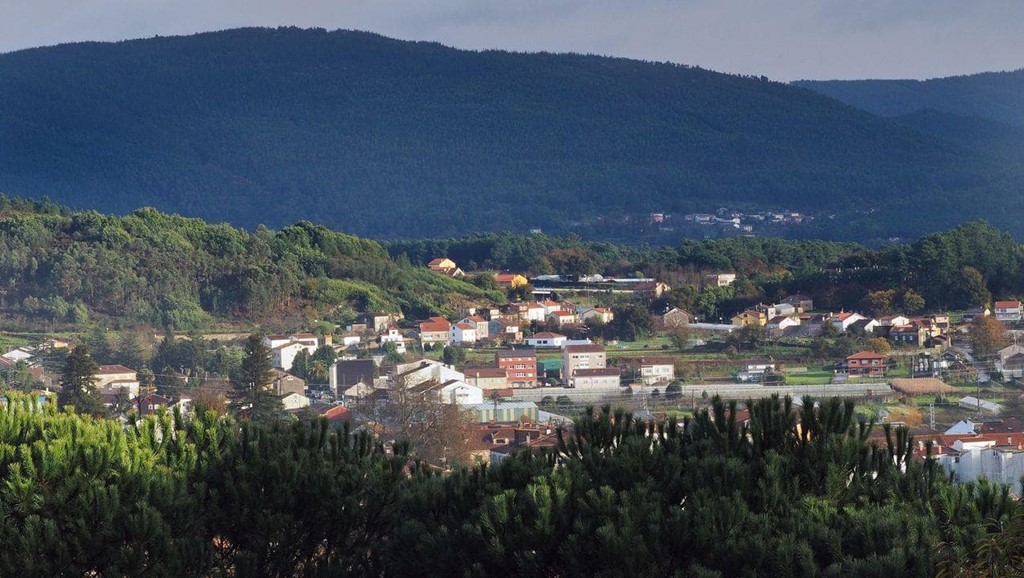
(440, 433)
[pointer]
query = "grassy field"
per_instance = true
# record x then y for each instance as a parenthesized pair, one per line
(809, 378)
(9, 342)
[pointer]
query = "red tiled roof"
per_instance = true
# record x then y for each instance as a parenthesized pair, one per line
(1007, 304)
(435, 324)
(866, 355)
(1014, 439)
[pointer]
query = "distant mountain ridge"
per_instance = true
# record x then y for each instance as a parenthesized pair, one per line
(388, 138)
(997, 96)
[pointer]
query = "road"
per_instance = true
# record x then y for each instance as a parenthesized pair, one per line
(732, 391)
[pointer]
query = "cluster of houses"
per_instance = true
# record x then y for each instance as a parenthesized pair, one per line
(792, 318)
(31, 356)
(505, 325)
(746, 221)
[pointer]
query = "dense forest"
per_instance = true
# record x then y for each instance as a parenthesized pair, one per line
(707, 497)
(64, 268)
(994, 96)
(169, 271)
(390, 139)
(963, 267)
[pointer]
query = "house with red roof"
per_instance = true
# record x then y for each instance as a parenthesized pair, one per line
(864, 364)
(1007, 311)
(462, 333)
(435, 330)
(562, 318)
(445, 266)
(843, 320)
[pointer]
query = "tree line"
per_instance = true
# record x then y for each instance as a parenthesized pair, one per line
(708, 496)
(149, 268)
(66, 268)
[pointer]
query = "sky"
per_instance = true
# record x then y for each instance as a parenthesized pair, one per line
(782, 39)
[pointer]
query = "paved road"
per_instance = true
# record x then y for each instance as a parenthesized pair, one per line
(732, 391)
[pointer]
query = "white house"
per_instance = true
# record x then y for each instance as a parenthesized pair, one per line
(894, 321)
(1007, 311)
(393, 335)
(272, 341)
(534, 312)
(417, 372)
(972, 461)
(293, 401)
(781, 322)
(655, 369)
(843, 321)
(602, 314)
(596, 378)
(546, 339)
(721, 279)
(463, 333)
(550, 306)
(349, 340)
(283, 356)
(459, 392)
(110, 378)
(479, 324)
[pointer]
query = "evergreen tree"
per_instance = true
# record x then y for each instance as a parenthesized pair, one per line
(129, 352)
(78, 382)
(300, 364)
(253, 381)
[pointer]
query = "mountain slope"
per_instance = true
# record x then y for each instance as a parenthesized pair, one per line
(997, 96)
(390, 138)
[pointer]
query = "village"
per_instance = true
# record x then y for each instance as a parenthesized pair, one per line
(499, 379)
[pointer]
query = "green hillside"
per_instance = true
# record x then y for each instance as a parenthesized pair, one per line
(164, 270)
(388, 138)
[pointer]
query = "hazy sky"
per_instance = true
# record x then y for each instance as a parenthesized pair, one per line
(783, 39)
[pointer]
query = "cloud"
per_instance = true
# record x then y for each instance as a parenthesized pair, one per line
(784, 39)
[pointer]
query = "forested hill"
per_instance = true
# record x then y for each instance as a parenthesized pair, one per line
(389, 138)
(997, 96)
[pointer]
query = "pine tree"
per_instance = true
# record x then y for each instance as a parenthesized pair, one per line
(252, 384)
(78, 382)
